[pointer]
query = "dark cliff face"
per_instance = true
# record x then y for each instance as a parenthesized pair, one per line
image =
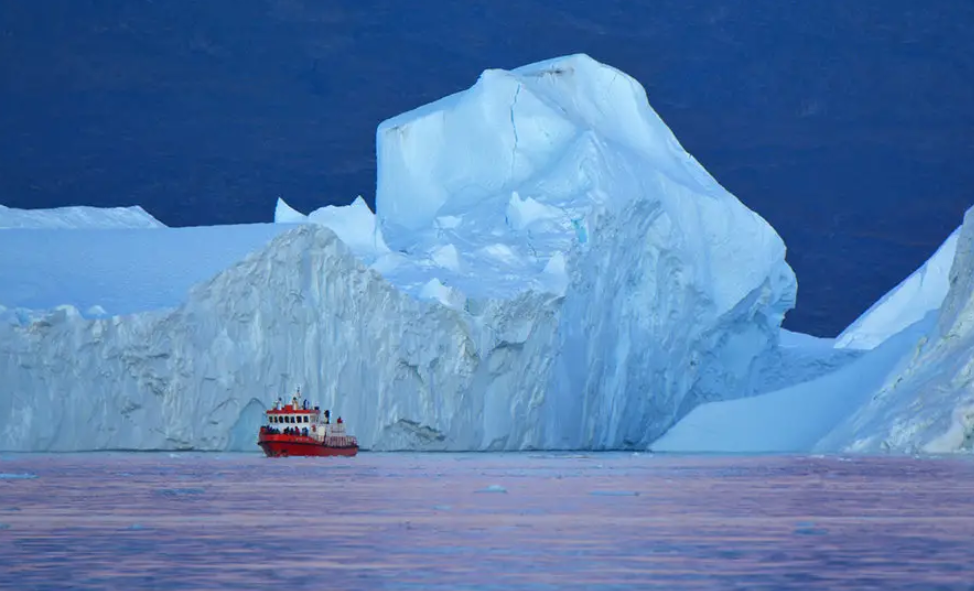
(847, 125)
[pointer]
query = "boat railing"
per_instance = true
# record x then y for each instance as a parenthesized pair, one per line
(294, 432)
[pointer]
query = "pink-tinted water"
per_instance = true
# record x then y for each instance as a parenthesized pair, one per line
(484, 521)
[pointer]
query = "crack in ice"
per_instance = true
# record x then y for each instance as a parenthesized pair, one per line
(514, 127)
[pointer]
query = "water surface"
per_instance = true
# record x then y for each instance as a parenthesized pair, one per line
(484, 521)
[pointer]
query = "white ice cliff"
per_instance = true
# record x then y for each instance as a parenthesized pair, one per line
(547, 268)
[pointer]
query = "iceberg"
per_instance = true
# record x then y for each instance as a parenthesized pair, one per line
(517, 168)
(801, 358)
(119, 270)
(77, 217)
(907, 303)
(547, 268)
(355, 225)
(927, 404)
(403, 372)
(792, 419)
(905, 388)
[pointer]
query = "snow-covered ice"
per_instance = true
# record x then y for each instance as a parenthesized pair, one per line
(355, 225)
(77, 217)
(547, 268)
(118, 271)
(516, 169)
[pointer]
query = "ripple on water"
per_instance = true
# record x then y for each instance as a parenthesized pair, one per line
(385, 521)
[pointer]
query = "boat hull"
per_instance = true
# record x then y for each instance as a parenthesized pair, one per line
(282, 446)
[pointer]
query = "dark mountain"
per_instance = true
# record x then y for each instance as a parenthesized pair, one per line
(848, 125)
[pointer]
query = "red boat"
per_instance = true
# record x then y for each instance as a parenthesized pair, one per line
(297, 429)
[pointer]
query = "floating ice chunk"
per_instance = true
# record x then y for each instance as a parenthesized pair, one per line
(614, 493)
(807, 528)
(180, 492)
(493, 488)
(24, 476)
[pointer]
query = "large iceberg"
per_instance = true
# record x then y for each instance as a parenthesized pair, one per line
(547, 268)
(911, 388)
(927, 404)
(794, 418)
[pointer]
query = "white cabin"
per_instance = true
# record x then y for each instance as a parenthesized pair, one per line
(299, 418)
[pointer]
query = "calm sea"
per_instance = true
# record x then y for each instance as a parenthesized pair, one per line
(484, 521)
